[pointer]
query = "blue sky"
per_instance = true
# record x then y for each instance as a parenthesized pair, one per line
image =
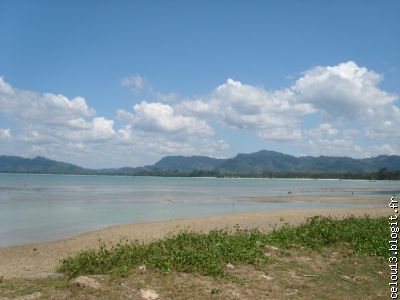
(117, 83)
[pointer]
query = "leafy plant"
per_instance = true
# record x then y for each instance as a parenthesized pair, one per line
(209, 253)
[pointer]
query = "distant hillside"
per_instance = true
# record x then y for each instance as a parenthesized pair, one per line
(391, 162)
(271, 161)
(188, 164)
(259, 164)
(38, 165)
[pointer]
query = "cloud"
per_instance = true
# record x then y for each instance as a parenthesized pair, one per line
(136, 81)
(385, 126)
(141, 85)
(38, 150)
(348, 147)
(346, 99)
(125, 116)
(334, 147)
(69, 130)
(163, 97)
(46, 108)
(6, 141)
(5, 134)
(162, 118)
(249, 107)
(345, 91)
(350, 133)
(271, 115)
(198, 107)
(50, 120)
(149, 147)
(96, 130)
(349, 95)
(383, 149)
(160, 145)
(5, 87)
(329, 110)
(280, 134)
(324, 129)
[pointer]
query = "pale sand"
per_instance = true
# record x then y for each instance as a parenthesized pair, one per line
(19, 261)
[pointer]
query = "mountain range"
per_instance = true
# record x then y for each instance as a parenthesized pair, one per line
(259, 164)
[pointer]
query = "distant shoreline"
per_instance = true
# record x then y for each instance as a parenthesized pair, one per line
(204, 177)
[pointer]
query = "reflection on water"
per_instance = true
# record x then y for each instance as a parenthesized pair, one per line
(46, 207)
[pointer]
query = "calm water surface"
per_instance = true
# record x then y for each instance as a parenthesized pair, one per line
(36, 208)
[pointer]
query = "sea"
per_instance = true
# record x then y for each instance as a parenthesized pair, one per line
(38, 208)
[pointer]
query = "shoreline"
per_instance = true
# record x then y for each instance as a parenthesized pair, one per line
(353, 199)
(206, 177)
(24, 260)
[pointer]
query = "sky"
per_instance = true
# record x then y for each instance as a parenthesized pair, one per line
(124, 83)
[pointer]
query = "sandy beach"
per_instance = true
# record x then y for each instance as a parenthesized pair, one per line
(20, 261)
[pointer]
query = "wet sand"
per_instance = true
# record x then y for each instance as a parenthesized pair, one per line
(324, 199)
(20, 261)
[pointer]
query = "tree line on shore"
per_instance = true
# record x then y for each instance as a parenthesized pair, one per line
(382, 174)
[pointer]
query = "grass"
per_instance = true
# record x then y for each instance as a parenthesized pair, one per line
(363, 235)
(209, 254)
(203, 253)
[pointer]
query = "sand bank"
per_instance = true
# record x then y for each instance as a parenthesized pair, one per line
(17, 261)
(324, 199)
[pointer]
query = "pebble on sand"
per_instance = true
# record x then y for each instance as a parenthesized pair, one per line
(87, 282)
(148, 294)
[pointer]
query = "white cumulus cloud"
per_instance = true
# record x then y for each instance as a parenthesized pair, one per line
(45, 108)
(158, 117)
(50, 120)
(270, 114)
(343, 91)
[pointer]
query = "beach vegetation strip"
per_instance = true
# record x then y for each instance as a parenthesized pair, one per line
(209, 253)
(324, 257)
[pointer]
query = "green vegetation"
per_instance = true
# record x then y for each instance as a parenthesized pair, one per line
(382, 174)
(265, 164)
(190, 252)
(274, 164)
(210, 253)
(321, 259)
(38, 165)
(362, 235)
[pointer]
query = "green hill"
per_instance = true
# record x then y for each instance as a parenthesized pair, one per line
(38, 165)
(188, 164)
(260, 164)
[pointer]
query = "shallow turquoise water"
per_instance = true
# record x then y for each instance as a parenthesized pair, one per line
(35, 208)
